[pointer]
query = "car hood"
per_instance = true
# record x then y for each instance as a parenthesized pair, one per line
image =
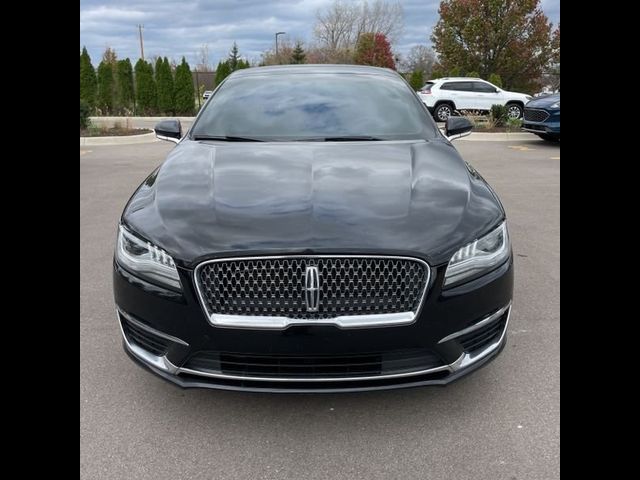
(398, 197)
(544, 102)
(524, 96)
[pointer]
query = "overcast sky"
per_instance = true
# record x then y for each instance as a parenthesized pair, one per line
(174, 28)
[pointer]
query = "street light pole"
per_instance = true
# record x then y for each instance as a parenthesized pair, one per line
(278, 33)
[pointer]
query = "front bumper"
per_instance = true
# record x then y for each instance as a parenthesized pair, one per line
(550, 126)
(448, 322)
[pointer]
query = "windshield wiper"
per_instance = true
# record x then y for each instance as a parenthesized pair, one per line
(352, 138)
(226, 138)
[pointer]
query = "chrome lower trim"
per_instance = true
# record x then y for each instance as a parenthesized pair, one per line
(465, 360)
(470, 358)
(478, 325)
(280, 323)
(461, 362)
(324, 379)
(152, 330)
(162, 363)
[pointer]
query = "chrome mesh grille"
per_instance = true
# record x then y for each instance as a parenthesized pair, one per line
(534, 115)
(275, 287)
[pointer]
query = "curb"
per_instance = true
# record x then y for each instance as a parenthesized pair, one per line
(496, 136)
(150, 119)
(120, 140)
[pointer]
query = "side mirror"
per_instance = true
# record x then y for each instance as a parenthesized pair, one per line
(457, 127)
(170, 130)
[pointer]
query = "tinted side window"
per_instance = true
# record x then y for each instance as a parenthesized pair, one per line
(427, 86)
(458, 86)
(483, 87)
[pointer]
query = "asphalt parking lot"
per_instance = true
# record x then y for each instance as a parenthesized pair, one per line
(502, 422)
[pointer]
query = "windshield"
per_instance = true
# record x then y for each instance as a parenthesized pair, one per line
(309, 106)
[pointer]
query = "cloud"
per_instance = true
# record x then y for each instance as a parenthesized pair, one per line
(176, 29)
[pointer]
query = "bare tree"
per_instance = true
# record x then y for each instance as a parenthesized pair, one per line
(335, 25)
(340, 25)
(420, 57)
(381, 17)
(203, 64)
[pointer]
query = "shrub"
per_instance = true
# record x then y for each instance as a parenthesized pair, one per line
(514, 124)
(498, 115)
(85, 110)
(477, 119)
(473, 74)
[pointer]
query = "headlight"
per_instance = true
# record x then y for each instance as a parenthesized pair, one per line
(146, 260)
(480, 256)
(555, 105)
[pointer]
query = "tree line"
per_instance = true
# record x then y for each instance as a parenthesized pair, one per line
(510, 43)
(118, 88)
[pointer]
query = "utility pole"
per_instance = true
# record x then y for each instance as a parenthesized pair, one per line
(278, 33)
(141, 41)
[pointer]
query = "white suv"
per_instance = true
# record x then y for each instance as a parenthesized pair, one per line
(446, 95)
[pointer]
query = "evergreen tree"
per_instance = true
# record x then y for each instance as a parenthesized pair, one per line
(243, 64)
(88, 82)
(164, 80)
(124, 86)
(106, 88)
(416, 80)
(298, 56)
(146, 95)
(222, 71)
(233, 58)
(184, 89)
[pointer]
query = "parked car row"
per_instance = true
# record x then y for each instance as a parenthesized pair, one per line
(444, 96)
(542, 117)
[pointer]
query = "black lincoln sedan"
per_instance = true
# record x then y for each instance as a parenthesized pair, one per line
(313, 231)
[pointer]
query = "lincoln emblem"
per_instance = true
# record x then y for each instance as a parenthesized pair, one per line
(312, 289)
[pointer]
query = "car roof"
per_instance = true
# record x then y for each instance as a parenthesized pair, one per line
(458, 79)
(314, 68)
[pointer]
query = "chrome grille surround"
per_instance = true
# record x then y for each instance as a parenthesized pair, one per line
(356, 291)
(535, 115)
